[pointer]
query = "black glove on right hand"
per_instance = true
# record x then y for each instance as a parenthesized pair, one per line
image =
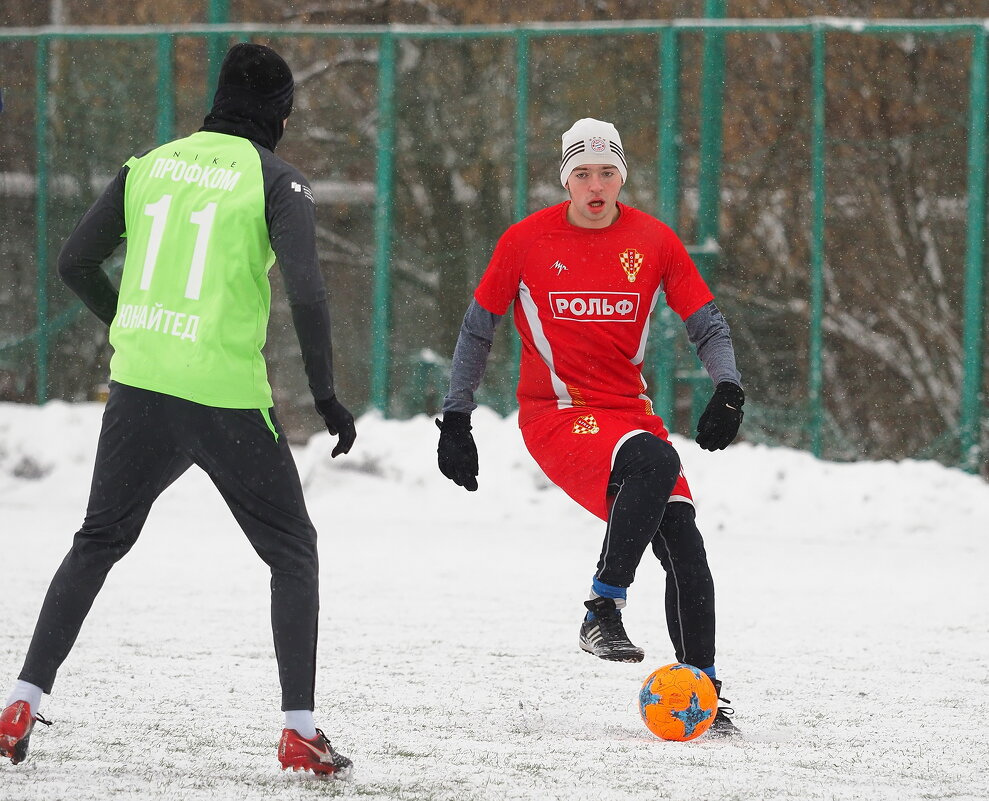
(457, 453)
(339, 422)
(719, 424)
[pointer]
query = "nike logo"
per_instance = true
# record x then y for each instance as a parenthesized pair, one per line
(324, 756)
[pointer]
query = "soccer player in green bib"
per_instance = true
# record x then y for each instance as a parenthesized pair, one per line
(204, 218)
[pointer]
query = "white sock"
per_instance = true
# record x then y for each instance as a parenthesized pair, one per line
(302, 721)
(25, 691)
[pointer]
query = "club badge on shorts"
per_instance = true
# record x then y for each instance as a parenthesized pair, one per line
(586, 425)
(631, 261)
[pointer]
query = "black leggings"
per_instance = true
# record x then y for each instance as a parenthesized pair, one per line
(147, 441)
(689, 586)
(645, 472)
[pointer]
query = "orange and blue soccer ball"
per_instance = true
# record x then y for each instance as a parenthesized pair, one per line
(678, 702)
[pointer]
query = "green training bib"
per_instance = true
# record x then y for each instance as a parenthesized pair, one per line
(194, 302)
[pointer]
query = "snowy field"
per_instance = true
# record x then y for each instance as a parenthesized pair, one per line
(853, 619)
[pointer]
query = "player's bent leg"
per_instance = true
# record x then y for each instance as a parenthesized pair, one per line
(255, 473)
(135, 462)
(690, 610)
(645, 471)
(294, 565)
(644, 474)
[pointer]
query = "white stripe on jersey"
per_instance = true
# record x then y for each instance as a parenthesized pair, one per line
(531, 312)
(640, 354)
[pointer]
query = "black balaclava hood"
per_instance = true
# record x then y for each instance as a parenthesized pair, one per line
(253, 95)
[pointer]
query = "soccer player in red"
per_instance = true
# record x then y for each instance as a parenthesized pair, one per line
(584, 277)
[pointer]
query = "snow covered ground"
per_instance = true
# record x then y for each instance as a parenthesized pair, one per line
(853, 620)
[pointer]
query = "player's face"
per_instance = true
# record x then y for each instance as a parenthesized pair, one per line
(594, 192)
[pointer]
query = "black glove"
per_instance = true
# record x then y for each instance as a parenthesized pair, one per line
(457, 453)
(719, 424)
(338, 422)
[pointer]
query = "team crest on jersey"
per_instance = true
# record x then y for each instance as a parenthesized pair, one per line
(631, 261)
(586, 425)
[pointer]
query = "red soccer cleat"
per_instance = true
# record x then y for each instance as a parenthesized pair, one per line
(16, 722)
(316, 755)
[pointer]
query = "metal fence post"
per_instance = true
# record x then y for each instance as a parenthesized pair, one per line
(41, 215)
(521, 188)
(709, 180)
(969, 434)
(380, 340)
(217, 13)
(711, 108)
(668, 207)
(815, 337)
(165, 123)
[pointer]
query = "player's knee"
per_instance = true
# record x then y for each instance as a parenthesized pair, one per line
(646, 455)
(292, 557)
(104, 544)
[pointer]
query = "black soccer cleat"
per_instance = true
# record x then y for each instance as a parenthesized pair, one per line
(723, 726)
(604, 635)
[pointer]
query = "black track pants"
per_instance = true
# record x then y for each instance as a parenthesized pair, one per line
(147, 441)
(689, 587)
(645, 472)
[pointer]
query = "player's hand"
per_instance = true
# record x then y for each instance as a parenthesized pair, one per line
(339, 422)
(719, 424)
(457, 453)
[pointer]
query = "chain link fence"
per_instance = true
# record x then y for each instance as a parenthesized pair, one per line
(829, 177)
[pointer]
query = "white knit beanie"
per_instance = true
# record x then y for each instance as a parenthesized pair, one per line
(592, 141)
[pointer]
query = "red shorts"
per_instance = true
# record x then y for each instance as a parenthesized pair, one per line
(576, 450)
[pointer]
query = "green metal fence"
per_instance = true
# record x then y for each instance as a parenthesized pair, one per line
(669, 67)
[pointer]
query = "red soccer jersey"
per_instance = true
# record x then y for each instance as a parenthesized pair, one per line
(583, 301)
